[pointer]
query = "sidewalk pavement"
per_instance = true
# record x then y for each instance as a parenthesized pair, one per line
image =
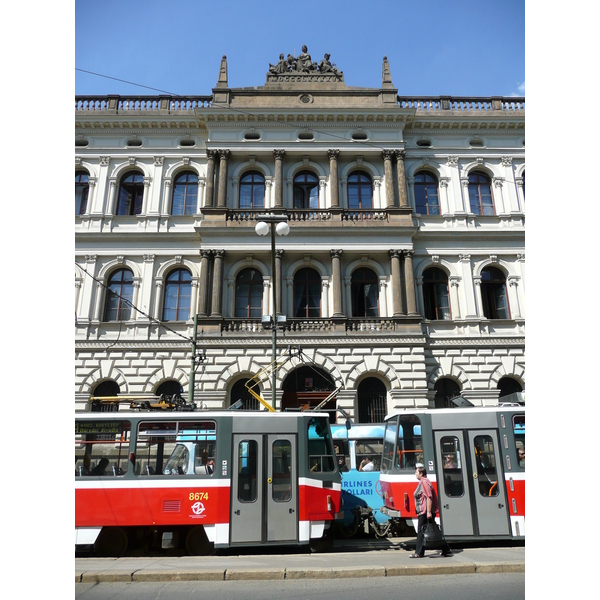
(385, 558)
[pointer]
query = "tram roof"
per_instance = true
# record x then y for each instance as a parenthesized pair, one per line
(470, 410)
(197, 414)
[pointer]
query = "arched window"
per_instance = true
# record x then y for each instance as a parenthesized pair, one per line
(493, 294)
(239, 391)
(307, 293)
(480, 194)
(185, 194)
(427, 200)
(249, 294)
(119, 296)
(360, 191)
(170, 388)
(103, 390)
(82, 187)
(306, 190)
(131, 194)
(445, 389)
(435, 294)
(252, 191)
(509, 385)
(178, 296)
(364, 287)
(372, 401)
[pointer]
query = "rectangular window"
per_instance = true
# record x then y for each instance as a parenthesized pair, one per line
(101, 448)
(321, 457)
(175, 448)
(519, 432)
(247, 470)
(281, 455)
(370, 449)
(452, 466)
(487, 476)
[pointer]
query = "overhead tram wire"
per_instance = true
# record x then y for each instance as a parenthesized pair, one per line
(249, 114)
(128, 302)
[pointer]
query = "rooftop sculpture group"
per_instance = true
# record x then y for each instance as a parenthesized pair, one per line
(302, 64)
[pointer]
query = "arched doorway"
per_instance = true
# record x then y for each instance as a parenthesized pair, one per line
(509, 385)
(306, 387)
(239, 391)
(372, 401)
(170, 387)
(445, 389)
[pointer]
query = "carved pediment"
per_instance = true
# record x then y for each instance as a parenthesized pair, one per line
(302, 69)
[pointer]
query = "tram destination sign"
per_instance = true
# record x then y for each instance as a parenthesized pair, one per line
(106, 427)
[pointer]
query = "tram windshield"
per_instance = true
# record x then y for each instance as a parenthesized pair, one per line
(519, 431)
(320, 446)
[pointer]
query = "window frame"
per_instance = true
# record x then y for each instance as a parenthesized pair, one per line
(477, 179)
(250, 308)
(82, 191)
(306, 295)
(423, 191)
(433, 292)
(189, 189)
(179, 284)
(306, 188)
(358, 295)
(489, 295)
(256, 186)
(359, 185)
(121, 298)
(135, 188)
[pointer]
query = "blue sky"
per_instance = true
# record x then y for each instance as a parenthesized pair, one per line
(435, 47)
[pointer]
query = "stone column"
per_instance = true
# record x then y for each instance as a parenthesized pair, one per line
(203, 285)
(409, 278)
(278, 274)
(210, 178)
(454, 282)
(278, 155)
(402, 190)
(333, 178)
(396, 283)
(336, 276)
(389, 177)
(222, 192)
(217, 291)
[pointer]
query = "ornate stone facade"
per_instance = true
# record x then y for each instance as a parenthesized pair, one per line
(399, 269)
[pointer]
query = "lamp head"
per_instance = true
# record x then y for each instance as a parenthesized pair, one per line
(282, 228)
(261, 228)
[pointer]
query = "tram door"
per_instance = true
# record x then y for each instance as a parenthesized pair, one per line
(471, 490)
(264, 489)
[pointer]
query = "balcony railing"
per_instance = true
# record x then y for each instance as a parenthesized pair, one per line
(168, 104)
(462, 104)
(310, 215)
(156, 104)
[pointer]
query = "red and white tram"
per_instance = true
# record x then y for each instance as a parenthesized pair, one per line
(474, 457)
(203, 479)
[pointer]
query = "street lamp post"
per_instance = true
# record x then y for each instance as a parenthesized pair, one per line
(278, 223)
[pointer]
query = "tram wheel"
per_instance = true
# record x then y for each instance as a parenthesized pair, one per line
(197, 543)
(112, 541)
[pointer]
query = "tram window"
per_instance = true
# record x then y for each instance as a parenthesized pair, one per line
(452, 466)
(175, 448)
(487, 476)
(369, 449)
(343, 456)
(320, 446)
(389, 442)
(247, 470)
(519, 431)
(409, 448)
(281, 455)
(101, 448)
